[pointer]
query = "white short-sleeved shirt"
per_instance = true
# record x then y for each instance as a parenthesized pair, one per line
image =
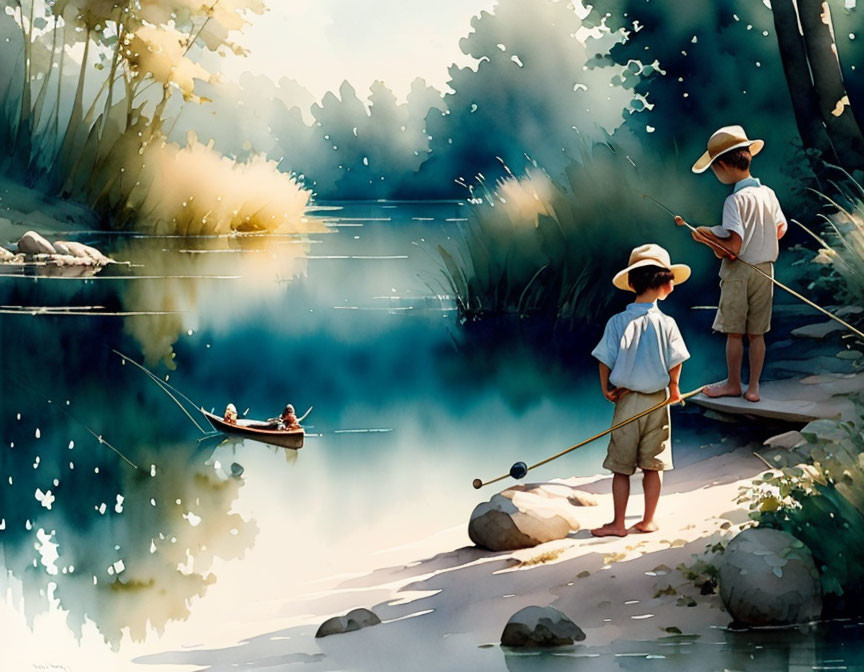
(753, 212)
(640, 345)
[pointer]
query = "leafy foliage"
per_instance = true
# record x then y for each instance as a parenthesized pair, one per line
(822, 504)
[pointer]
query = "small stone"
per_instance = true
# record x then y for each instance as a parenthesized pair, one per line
(540, 627)
(353, 620)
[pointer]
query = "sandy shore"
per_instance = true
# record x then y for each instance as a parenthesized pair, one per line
(446, 609)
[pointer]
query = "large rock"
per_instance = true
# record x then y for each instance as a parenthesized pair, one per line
(353, 620)
(767, 577)
(526, 515)
(81, 251)
(6, 255)
(32, 243)
(540, 627)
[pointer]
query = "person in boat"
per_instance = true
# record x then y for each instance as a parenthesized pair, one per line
(230, 414)
(287, 421)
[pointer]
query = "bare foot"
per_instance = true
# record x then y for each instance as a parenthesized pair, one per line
(752, 395)
(645, 527)
(609, 530)
(724, 389)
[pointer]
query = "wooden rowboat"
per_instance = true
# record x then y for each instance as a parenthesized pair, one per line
(256, 431)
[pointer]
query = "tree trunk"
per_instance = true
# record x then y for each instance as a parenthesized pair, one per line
(828, 83)
(793, 54)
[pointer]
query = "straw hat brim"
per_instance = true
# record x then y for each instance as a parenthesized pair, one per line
(680, 273)
(706, 159)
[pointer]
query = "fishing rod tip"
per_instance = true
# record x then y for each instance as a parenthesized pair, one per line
(477, 483)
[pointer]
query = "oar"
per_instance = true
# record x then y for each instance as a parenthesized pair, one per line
(519, 469)
(722, 248)
(303, 417)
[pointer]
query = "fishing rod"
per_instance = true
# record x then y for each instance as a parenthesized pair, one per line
(718, 246)
(520, 469)
(72, 417)
(165, 387)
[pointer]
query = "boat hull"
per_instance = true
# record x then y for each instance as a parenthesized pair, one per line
(285, 439)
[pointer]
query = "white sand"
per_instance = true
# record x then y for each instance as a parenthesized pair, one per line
(443, 612)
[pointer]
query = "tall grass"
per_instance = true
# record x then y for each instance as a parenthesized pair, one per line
(534, 247)
(842, 241)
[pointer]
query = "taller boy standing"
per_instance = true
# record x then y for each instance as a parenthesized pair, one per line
(752, 225)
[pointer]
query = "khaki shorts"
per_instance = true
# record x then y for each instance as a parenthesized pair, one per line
(745, 299)
(645, 443)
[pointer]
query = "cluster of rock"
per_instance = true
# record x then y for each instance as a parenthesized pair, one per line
(33, 248)
(528, 514)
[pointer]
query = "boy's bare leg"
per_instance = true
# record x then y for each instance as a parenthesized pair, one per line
(731, 387)
(620, 495)
(651, 484)
(757, 361)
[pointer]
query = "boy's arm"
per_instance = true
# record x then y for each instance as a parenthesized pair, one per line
(719, 246)
(722, 246)
(674, 379)
(614, 394)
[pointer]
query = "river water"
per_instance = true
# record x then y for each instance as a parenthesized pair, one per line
(149, 536)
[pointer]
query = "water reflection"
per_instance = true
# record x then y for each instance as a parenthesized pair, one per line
(829, 646)
(123, 547)
(206, 283)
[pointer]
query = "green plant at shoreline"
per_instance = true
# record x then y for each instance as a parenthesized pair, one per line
(822, 505)
(536, 247)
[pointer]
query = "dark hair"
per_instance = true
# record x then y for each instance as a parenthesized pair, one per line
(737, 158)
(648, 277)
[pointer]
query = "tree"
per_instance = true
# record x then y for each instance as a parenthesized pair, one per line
(532, 93)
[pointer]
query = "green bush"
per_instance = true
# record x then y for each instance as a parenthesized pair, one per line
(536, 247)
(822, 504)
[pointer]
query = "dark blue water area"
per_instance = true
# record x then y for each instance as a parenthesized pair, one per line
(129, 530)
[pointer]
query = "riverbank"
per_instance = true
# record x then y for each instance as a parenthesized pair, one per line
(447, 608)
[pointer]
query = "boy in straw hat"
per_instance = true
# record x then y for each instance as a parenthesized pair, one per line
(640, 356)
(752, 225)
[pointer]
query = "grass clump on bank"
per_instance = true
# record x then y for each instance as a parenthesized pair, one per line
(534, 247)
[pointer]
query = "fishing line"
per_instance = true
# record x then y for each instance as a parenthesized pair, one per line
(165, 387)
(479, 484)
(728, 252)
(68, 414)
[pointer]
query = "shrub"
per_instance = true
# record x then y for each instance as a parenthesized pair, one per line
(822, 504)
(536, 247)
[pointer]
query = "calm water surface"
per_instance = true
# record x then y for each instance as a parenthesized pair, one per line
(160, 525)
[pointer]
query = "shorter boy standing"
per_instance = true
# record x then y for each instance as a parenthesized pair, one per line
(640, 356)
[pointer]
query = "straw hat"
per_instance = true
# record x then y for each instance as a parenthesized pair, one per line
(724, 140)
(650, 255)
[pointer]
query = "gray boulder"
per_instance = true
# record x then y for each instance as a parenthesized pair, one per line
(353, 620)
(540, 627)
(528, 514)
(32, 243)
(768, 577)
(5, 255)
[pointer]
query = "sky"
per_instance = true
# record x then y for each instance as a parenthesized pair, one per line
(320, 43)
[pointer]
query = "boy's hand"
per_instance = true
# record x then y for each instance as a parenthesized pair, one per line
(615, 393)
(674, 394)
